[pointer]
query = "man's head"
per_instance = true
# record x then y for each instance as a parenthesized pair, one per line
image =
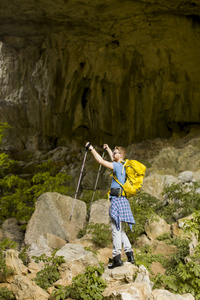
(119, 154)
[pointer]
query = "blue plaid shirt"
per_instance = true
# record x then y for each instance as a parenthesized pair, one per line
(120, 211)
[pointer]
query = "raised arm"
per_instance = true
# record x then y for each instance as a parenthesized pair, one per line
(105, 146)
(98, 157)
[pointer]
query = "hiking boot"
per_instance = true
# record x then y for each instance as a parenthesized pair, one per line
(130, 257)
(116, 262)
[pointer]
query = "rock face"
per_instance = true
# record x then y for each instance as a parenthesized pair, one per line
(74, 70)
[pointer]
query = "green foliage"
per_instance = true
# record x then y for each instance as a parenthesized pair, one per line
(50, 274)
(146, 257)
(143, 206)
(183, 198)
(18, 195)
(101, 234)
(23, 255)
(164, 237)
(8, 244)
(4, 127)
(87, 286)
(185, 280)
(182, 245)
(6, 294)
(193, 225)
(180, 277)
(178, 257)
(87, 197)
(5, 162)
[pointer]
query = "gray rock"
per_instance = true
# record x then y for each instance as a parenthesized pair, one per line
(44, 245)
(75, 252)
(12, 230)
(186, 176)
(156, 226)
(99, 212)
(52, 215)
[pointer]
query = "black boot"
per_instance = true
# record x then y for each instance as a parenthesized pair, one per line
(116, 262)
(130, 257)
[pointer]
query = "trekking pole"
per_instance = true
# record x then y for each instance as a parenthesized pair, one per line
(86, 149)
(96, 183)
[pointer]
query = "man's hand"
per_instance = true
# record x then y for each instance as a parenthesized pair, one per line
(88, 146)
(105, 146)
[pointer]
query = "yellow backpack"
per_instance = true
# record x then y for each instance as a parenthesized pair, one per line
(135, 172)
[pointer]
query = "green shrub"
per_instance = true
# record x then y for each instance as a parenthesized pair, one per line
(186, 279)
(193, 225)
(180, 277)
(50, 274)
(183, 198)
(88, 286)
(23, 255)
(18, 195)
(101, 233)
(143, 206)
(145, 257)
(87, 195)
(6, 294)
(164, 237)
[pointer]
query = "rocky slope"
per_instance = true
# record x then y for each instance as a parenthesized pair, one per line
(168, 160)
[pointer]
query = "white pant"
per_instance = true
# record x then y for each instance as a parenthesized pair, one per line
(119, 238)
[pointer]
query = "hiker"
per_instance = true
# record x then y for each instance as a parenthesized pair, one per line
(120, 211)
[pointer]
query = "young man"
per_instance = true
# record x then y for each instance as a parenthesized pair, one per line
(120, 211)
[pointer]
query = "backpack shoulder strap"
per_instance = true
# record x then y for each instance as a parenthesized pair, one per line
(115, 178)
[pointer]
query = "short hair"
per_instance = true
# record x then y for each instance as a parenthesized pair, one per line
(121, 150)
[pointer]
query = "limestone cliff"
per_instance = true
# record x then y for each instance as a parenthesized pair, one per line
(109, 71)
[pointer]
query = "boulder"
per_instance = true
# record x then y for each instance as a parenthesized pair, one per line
(12, 231)
(14, 263)
(186, 176)
(44, 245)
(155, 182)
(25, 289)
(139, 289)
(153, 185)
(166, 295)
(156, 226)
(99, 212)
(143, 240)
(77, 259)
(124, 274)
(127, 292)
(52, 215)
(175, 230)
